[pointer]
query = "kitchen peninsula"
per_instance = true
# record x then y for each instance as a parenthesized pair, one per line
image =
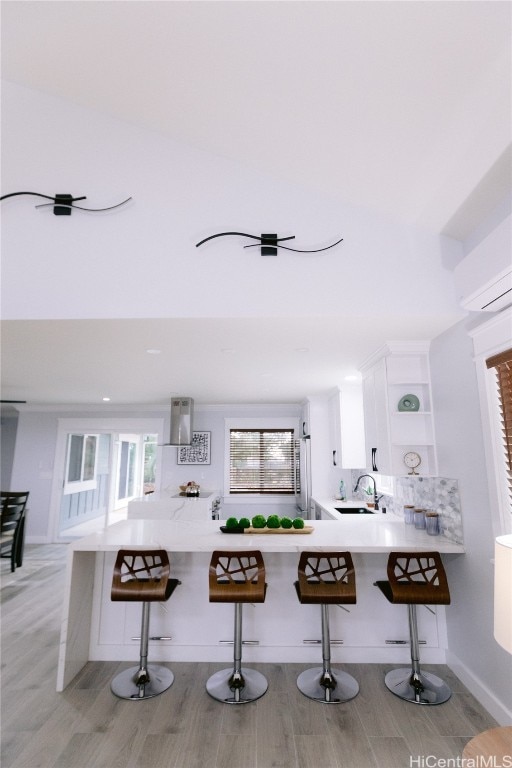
(175, 506)
(280, 630)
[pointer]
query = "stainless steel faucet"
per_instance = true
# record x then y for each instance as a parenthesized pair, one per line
(375, 497)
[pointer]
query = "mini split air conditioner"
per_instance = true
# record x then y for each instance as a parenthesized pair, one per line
(484, 277)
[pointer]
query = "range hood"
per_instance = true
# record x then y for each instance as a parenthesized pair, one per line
(182, 412)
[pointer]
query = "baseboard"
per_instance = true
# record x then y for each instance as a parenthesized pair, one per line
(487, 699)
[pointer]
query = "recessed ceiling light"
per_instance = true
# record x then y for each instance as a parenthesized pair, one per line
(153, 351)
(352, 377)
(106, 399)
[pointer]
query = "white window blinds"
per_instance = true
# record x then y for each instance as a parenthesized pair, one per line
(502, 365)
(261, 461)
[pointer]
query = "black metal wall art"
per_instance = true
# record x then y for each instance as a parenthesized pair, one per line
(269, 243)
(64, 204)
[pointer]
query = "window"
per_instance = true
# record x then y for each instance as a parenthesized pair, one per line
(385, 484)
(501, 366)
(261, 461)
(81, 463)
(491, 344)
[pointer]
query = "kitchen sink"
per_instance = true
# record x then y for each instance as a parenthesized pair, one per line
(354, 511)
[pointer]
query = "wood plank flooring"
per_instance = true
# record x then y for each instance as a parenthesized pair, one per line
(87, 727)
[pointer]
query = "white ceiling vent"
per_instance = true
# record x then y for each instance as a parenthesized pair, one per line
(484, 277)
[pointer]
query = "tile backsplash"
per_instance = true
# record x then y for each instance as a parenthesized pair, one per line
(439, 494)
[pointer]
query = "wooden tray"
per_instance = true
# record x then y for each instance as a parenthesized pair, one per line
(306, 529)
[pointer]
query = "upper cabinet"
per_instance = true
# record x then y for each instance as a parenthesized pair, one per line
(346, 426)
(305, 419)
(398, 414)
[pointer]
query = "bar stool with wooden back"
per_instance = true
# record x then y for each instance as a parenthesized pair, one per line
(142, 576)
(326, 578)
(416, 578)
(237, 577)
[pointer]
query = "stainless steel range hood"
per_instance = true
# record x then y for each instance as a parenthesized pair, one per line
(182, 413)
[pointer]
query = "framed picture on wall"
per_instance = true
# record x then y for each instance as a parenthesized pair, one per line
(198, 452)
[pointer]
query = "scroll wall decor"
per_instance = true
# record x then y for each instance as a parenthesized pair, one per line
(269, 243)
(64, 204)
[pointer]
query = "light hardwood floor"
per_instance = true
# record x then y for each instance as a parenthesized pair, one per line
(86, 726)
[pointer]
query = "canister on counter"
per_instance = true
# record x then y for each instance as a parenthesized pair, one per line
(432, 522)
(409, 514)
(419, 518)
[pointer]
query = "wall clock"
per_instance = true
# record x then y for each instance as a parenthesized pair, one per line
(412, 460)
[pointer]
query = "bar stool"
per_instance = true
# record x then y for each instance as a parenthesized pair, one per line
(142, 576)
(326, 578)
(416, 578)
(237, 577)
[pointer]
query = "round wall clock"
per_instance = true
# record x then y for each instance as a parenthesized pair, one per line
(412, 460)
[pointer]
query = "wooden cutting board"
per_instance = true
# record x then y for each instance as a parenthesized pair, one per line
(306, 529)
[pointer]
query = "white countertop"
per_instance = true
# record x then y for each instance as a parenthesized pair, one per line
(163, 496)
(167, 506)
(357, 533)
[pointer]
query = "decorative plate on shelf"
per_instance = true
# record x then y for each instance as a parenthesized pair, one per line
(409, 403)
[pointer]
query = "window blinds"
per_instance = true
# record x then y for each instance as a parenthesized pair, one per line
(502, 365)
(261, 461)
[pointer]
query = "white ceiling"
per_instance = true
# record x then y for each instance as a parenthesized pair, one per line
(400, 107)
(214, 361)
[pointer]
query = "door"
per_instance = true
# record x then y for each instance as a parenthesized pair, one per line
(100, 467)
(135, 467)
(128, 474)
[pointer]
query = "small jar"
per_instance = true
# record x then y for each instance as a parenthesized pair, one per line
(432, 523)
(409, 514)
(419, 519)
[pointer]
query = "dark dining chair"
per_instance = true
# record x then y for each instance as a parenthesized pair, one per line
(12, 526)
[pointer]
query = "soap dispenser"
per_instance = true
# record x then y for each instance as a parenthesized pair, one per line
(342, 493)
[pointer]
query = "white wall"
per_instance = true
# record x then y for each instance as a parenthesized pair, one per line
(8, 427)
(474, 654)
(34, 467)
(36, 444)
(141, 261)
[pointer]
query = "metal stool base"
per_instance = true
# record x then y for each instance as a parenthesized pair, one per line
(222, 686)
(309, 683)
(418, 688)
(124, 685)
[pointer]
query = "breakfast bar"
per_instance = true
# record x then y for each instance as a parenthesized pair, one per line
(281, 630)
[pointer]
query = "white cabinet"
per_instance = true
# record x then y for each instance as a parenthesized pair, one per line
(377, 442)
(189, 627)
(346, 427)
(305, 419)
(373, 622)
(396, 370)
(334, 409)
